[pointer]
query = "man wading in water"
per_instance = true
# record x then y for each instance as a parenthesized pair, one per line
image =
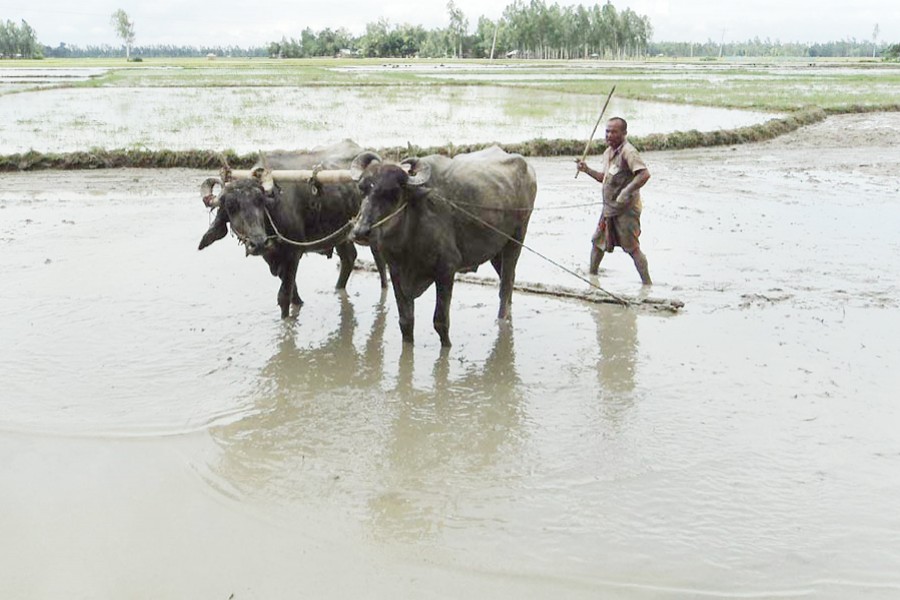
(623, 174)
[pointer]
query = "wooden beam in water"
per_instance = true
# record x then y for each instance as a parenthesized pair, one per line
(559, 291)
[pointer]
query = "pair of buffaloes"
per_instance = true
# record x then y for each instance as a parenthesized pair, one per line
(427, 218)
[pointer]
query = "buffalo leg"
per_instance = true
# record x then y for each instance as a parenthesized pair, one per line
(406, 308)
(288, 291)
(508, 260)
(379, 263)
(296, 302)
(497, 263)
(444, 287)
(347, 253)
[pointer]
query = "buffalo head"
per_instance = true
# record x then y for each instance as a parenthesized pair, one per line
(386, 188)
(244, 204)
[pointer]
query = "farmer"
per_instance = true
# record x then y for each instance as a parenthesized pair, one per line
(623, 174)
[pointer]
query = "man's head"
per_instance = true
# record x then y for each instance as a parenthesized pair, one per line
(616, 130)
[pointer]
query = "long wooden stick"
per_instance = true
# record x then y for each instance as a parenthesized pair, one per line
(596, 125)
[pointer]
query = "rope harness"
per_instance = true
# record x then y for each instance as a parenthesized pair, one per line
(476, 218)
(345, 229)
(389, 217)
(328, 240)
(242, 237)
(565, 206)
(325, 241)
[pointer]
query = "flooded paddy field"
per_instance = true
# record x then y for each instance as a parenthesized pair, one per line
(164, 434)
(249, 119)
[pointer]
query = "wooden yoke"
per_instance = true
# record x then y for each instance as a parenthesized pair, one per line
(326, 177)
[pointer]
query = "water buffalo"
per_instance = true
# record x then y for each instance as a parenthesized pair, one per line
(277, 222)
(434, 216)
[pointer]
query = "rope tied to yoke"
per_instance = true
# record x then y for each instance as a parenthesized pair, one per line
(503, 209)
(324, 241)
(345, 229)
(478, 219)
(387, 218)
(342, 231)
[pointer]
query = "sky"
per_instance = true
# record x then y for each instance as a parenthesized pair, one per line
(229, 23)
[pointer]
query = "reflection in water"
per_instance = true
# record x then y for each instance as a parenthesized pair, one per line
(617, 341)
(335, 363)
(307, 402)
(332, 431)
(448, 442)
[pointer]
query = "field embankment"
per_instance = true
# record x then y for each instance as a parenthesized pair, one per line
(208, 159)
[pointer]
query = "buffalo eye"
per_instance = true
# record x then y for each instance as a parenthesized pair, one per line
(365, 186)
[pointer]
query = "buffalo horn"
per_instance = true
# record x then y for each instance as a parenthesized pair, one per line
(264, 176)
(211, 199)
(420, 172)
(361, 162)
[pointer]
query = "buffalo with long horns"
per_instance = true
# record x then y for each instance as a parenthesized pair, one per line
(281, 220)
(433, 216)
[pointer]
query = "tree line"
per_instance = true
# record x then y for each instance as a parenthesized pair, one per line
(534, 29)
(64, 50)
(761, 48)
(526, 29)
(18, 41)
(530, 29)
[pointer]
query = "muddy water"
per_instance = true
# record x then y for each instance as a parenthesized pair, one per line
(164, 434)
(252, 118)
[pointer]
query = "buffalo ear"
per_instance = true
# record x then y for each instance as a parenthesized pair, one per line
(217, 230)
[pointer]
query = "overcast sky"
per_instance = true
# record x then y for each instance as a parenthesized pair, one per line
(224, 22)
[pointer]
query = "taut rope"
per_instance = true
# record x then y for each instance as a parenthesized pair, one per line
(390, 216)
(499, 209)
(619, 299)
(325, 241)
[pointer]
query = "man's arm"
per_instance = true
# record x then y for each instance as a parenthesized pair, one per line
(582, 166)
(640, 178)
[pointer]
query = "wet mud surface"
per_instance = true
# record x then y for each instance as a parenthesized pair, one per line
(156, 413)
